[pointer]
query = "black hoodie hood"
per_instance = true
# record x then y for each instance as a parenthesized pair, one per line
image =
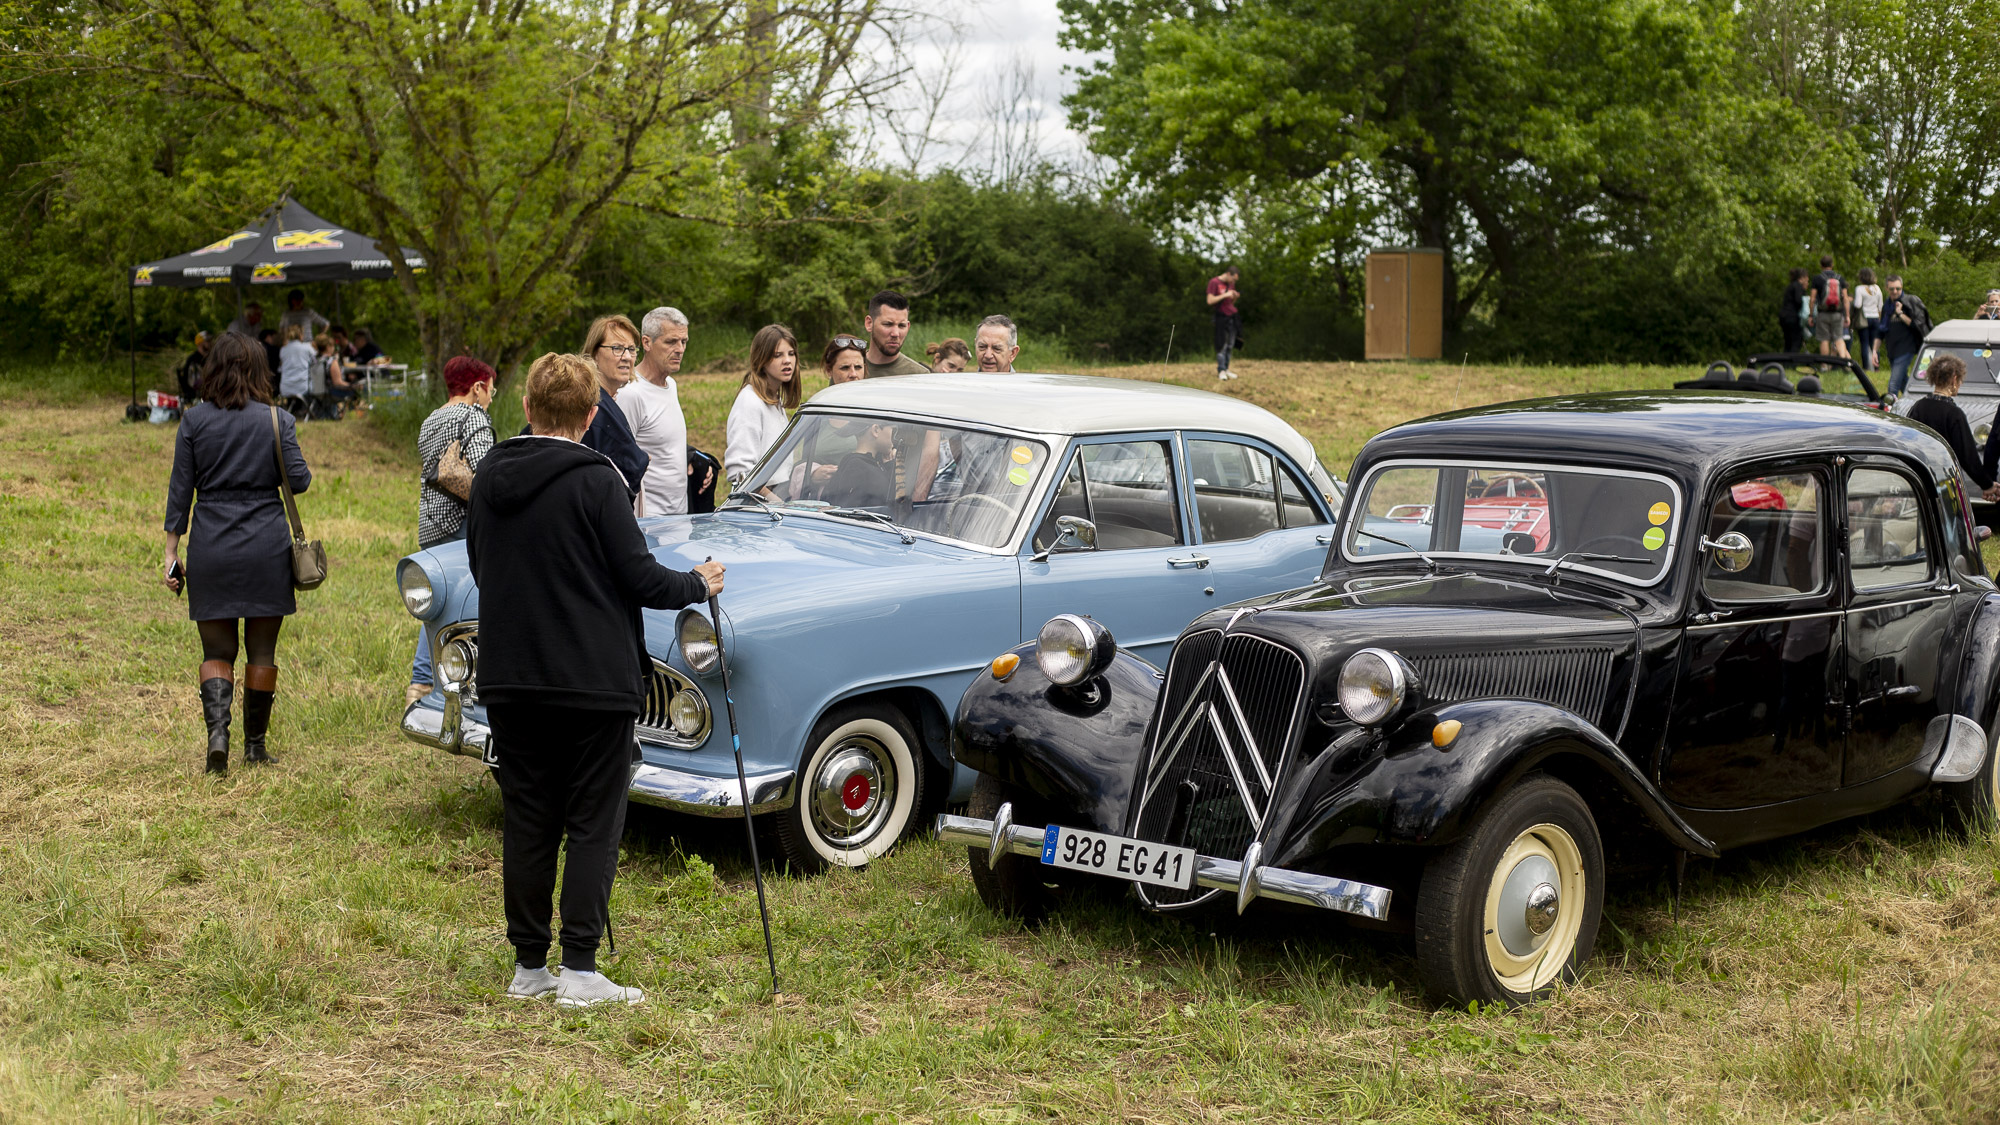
(520, 469)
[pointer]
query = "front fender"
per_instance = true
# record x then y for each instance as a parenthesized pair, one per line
(1976, 696)
(1079, 749)
(1416, 794)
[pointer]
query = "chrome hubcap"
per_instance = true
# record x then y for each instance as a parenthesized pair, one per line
(1543, 905)
(852, 792)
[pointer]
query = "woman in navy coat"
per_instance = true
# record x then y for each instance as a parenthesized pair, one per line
(239, 561)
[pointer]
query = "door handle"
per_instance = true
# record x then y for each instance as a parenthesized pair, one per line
(1323, 540)
(1710, 618)
(1197, 561)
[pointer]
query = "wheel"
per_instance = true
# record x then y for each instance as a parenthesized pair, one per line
(1013, 887)
(1978, 800)
(859, 788)
(1513, 906)
(1496, 486)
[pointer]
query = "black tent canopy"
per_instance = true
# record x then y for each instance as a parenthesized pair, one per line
(287, 245)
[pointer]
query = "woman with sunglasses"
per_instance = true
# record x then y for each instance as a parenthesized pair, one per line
(845, 360)
(770, 388)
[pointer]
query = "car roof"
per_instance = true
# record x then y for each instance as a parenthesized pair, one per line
(1685, 434)
(1985, 332)
(1064, 404)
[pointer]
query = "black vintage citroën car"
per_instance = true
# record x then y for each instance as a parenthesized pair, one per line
(1683, 621)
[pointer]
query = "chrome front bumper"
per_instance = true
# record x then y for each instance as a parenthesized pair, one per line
(677, 790)
(1247, 877)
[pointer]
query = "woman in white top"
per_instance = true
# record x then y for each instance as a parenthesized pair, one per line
(295, 362)
(1868, 315)
(770, 388)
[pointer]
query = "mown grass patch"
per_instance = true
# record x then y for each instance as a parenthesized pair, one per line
(323, 941)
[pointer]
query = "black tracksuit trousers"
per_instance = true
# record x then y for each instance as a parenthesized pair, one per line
(563, 770)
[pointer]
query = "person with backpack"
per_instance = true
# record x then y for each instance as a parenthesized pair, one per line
(1905, 323)
(1832, 304)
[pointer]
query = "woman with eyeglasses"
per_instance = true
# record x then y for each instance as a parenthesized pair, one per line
(612, 346)
(845, 360)
(770, 388)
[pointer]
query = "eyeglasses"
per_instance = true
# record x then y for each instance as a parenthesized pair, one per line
(619, 349)
(844, 342)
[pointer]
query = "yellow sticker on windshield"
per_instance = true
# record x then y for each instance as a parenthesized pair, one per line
(1023, 455)
(1654, 538)
(1658, 513)
(1018, 474)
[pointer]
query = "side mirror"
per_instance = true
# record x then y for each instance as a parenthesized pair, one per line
(1073, 533)
(1732, 551)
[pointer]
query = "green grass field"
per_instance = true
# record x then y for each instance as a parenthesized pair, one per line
(322, 941)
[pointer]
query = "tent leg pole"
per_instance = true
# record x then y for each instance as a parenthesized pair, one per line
(337, 318)
(132, 340)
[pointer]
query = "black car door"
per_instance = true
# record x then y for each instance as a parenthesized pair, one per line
(1756, 717)
(1897, 618)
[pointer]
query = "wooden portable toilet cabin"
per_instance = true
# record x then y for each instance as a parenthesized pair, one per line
(1405, 303)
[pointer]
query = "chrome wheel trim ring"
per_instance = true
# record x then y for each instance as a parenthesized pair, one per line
(1521, 960)
(856, 758)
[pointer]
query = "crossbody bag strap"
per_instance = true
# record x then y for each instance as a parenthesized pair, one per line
(285, 480)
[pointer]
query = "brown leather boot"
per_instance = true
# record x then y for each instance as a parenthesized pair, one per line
(260, 686)
(218, 688)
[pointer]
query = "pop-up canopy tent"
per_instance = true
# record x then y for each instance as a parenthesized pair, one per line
(287, 245)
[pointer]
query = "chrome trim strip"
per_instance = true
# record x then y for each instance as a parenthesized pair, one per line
(1243, 727)
(1278, 884)
(1893, 605)
(698, 795)
(1733, 622)
(1235, 771)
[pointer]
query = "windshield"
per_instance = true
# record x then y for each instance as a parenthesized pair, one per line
(1617, 523)
(1982, 368)
(961, 484)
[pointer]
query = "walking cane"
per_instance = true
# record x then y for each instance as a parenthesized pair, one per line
(743, 786)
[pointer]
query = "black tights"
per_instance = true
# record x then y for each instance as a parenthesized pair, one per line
(260, 636)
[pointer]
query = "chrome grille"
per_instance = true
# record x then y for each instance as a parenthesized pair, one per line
(1576, 679)
(1226, 727)
(656, 721)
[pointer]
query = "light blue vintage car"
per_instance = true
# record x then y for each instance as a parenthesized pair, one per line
(900, 535)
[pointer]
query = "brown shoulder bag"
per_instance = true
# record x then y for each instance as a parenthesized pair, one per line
(308, 555)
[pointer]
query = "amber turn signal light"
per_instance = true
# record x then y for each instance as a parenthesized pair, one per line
(1004, 665)
(1444, 732)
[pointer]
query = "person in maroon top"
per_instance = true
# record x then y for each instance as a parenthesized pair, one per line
(1222, 298)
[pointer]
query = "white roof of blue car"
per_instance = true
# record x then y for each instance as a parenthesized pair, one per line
(1064, 404)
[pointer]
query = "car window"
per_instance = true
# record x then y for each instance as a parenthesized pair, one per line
(1235, 490)
(1982, 367)
(1126, 489)
(1885, 530)
(1297, 510)
(1781, 516)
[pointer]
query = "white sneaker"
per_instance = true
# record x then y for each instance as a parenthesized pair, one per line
(531, 984)
(579, 989)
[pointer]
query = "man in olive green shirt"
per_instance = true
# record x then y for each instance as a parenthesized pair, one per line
(888, 325)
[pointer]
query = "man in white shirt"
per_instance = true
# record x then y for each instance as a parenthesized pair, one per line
(651, 403)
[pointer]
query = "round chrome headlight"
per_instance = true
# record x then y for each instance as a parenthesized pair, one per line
(688, 713)
(456, 662)
(700, 647)
(1072, 648)
(1374, 686)
(418, 596)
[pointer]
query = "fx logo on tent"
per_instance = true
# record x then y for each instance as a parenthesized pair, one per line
(142, 276)
(294, 240)
(268, 273)
(222, 244)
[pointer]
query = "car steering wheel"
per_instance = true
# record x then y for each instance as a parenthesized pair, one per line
(977, 500)
(1493, 486)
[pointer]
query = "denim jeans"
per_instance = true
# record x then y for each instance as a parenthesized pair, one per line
(1899, 372)
(1225, 340)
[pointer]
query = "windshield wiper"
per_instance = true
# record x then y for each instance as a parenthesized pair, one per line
(761, 503)
(1428, 561)
(865, 514)
(1588, 556)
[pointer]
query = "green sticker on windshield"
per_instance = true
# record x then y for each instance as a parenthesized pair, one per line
(1654, 538)
(1018, 474)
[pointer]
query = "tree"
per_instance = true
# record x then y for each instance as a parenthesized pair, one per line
(1518, 136)
(495, 139)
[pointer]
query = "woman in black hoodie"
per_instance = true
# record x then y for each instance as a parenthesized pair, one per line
(562, 572)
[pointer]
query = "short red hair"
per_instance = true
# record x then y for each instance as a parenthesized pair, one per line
(462, 372)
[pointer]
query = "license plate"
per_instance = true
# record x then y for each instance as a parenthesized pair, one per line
(1140, 861)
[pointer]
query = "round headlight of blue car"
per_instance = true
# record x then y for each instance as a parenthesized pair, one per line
(419, 596)
(699, 645)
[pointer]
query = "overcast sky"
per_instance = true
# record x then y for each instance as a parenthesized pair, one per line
(984, 46)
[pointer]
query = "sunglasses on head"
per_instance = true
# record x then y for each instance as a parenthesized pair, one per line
(850, 342)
